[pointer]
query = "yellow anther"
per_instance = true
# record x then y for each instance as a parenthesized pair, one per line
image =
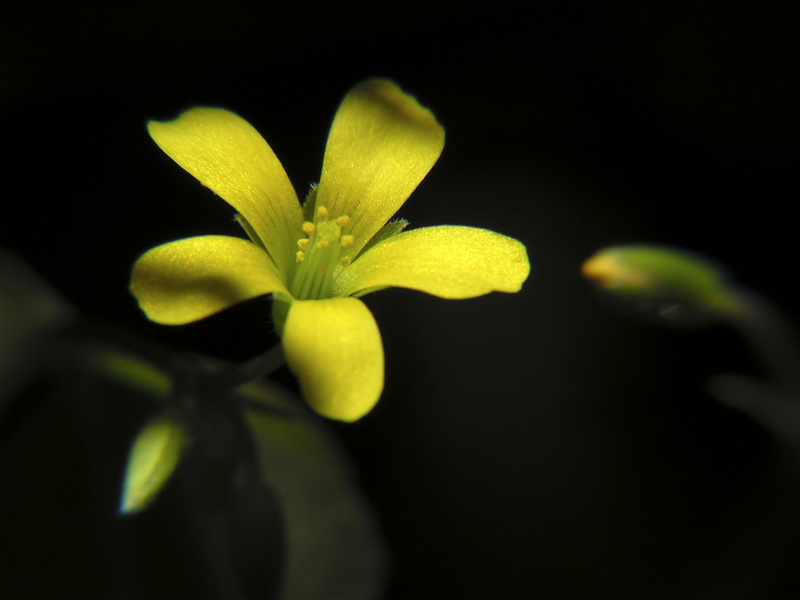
(319, 256)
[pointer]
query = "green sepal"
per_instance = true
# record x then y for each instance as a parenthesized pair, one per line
(153, 458)
(251, 233)
(310, 204)
(391, 228)
(280, 310)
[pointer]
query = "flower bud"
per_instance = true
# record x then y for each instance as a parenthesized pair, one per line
(152, 461)
(670, 284)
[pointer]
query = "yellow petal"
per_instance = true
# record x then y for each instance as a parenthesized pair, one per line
(187, 280)
(381, 145)
(228, 156)
(448, 261)
(335, 348)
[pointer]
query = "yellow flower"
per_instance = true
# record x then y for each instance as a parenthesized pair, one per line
(318, 259)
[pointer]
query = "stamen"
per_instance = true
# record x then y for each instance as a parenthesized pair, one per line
(319, 255)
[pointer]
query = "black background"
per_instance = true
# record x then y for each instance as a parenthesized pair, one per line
(535, 445)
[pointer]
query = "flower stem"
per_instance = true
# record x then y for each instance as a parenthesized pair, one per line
(237, 375)
(770, 335)
(774, 403)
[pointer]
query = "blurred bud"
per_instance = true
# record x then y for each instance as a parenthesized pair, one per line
(129, 369)
(154, 456)
(666, 283)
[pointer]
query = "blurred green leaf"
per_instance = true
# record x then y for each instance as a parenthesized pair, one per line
(29, 309)
(289, 478)
(152, 461)
(334, 547)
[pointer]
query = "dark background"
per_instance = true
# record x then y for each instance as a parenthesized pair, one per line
(535, 445)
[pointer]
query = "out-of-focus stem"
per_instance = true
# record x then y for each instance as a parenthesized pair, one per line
(775, 403)
(770, 334)
(237, 375)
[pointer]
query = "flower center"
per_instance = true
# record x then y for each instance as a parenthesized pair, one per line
(320, 255)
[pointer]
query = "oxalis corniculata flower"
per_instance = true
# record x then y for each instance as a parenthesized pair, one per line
(319, 258)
